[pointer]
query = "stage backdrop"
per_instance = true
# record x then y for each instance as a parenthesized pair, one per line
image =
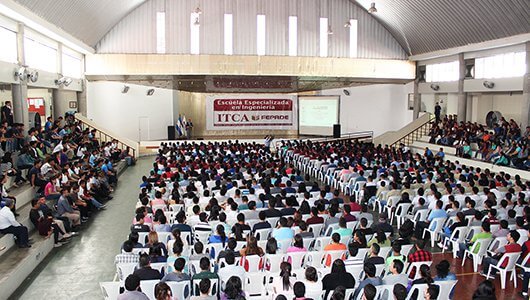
(251, 112)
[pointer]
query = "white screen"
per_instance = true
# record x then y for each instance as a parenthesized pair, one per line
(318, 114)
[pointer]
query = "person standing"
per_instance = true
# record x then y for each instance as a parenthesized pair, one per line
(189, 128)
(7, 113)
(437, 112)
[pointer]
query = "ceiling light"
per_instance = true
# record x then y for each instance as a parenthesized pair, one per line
(125, 89)
(197, 23)
(150, 92)
(198, 10)
(330, 31)
(347, 24)
(372, 8)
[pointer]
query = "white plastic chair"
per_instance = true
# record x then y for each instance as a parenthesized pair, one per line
(314, 259)
(125, 269)
(180, 290)
(252, 262)
(148, 287)
(110, 290)
(400, 214)
(477, 258)
(214, 289)
(255, 284)
(417, 290)
(316, 229)
(439, 223)
(262, 234)
(214, 248)
(496, 244)
(384, 251)
(416, 266)
(274, 261)
(176, 207)
(446, 287)
(510, 267)
(157, 207)
(420, 216)
(385, 292)
(202, 236)
(297, 259)
(457, 236)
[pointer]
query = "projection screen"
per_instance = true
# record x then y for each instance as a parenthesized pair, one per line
(318, 114)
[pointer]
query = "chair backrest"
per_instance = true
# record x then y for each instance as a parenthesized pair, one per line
(274, 261)
(283, 245)
(512, 260)
(483, 246)
(214, 288)
(164, 237)
(405, 249)
(214, 249)
(497, 243)
(421, 215)
(385, 292)
(297, 259)
(402, 209)
(180, 290)
(176, 207)
(334, 255)
(157, 207)
(140, 250)
(316, 229)
(142, 237)
(356, 271)
(460, 232)
(439, 223)
(125, 269)
(255, 283)
(251, 263)
(322, 242)
(263, 234)
(384, 251)
(445, 288)
(110, 290)
(148, 287)
(416, 266)
(416, 290)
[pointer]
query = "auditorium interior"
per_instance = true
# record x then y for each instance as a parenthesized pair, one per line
(265, 149)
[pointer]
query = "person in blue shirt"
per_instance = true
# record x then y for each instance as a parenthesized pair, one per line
(49, 124)
(438, 212)
(283, 232)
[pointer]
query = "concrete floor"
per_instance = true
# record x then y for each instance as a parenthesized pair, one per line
(75, 270)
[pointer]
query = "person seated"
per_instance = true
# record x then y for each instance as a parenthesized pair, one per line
(420, 254)
(431, 292)
(262, 224)
(177, 275)
(298, 245)
(485, 233)
(399, 292)
(512, 247)
(303, 230)
(353, 259)
(231, 269)
(145, 272)
(283, 232)
(396, 254)
(205, 272)
(45, 224)
(198, 249)
(369, 292)
(283, 284)
(396, 276)
(334, 245)
(374, 255)
(337, 277)
(127, 256)
(343, 230)
(161, 225)
(132, 289)
(379, 238)
(233, 289)
(8, 224)
(315, 218)
(204, 289)
(371, 278)
(203, 225)
(181, 222)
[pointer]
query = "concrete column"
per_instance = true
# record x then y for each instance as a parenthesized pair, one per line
(20, 90)
(417, 101)
(19, 93)
(61, 100)
(82, 100)
(525, 119)
(462, 97)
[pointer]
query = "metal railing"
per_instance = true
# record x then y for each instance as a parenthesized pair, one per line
(104, 137)
(415, 134)
(349, 136)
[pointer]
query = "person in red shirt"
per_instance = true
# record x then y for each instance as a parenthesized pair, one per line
(511, 247)
(419, 255)
(314, 219)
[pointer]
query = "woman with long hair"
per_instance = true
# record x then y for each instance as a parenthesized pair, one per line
(152, 241)
(233, 289)
(163, 291)
(337, 277)
(252, 247)
(284, 283)
(298, 244)
(219, 236)
(380, 238)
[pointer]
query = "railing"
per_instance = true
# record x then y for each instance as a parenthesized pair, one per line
(105, 136)
(415, 134)
(349, 136)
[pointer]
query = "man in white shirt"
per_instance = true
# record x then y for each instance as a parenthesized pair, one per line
(230, 269)
(8, 224)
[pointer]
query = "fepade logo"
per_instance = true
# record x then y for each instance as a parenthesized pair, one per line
(241, 118)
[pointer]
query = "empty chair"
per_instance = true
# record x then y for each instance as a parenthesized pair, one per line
(480, 246)
(457, 236)
(110, 290)
(400, 214)
(446, 287)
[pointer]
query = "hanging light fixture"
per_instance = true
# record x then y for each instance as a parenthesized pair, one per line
(372, 8)
(198, 10)
(330, 31)
(347, 24)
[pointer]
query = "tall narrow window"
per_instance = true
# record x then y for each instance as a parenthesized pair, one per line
(323, 37)
(353, 38)
(8, 51)
(160, 32)
(229, 34)
(194, 33)
(293, 36)
(261, 35)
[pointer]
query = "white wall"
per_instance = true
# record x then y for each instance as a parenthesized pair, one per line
(510, 106)
(378, 108)
(121, 113)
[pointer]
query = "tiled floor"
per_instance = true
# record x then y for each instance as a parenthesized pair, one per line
(75, 270)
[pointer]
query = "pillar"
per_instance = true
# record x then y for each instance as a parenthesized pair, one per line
(20, 90)
(61, 101)
(525, 118)
(461, 97)
(417, 101)
(82, 100)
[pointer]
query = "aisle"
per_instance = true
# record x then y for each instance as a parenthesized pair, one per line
(75, 270)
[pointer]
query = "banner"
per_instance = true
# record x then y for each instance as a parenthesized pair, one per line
(252, 112)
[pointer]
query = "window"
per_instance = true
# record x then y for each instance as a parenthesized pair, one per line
(442, 72)
(40, 56)
(293, 36)
(323, 37)
(261, 35)
(194, 33)
(504, 65)
(8, 51)
(160, 32)
(72, 64)
(353, 38)
(229, 34)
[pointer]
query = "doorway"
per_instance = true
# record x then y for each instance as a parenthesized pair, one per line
(143, 129)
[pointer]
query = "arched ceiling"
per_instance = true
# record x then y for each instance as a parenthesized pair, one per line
(420, 26)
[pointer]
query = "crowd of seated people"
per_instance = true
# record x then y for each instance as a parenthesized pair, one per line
(71, 173)
(209, 206)
(503, 145)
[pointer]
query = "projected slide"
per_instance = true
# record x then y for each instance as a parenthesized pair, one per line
(318, 114)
